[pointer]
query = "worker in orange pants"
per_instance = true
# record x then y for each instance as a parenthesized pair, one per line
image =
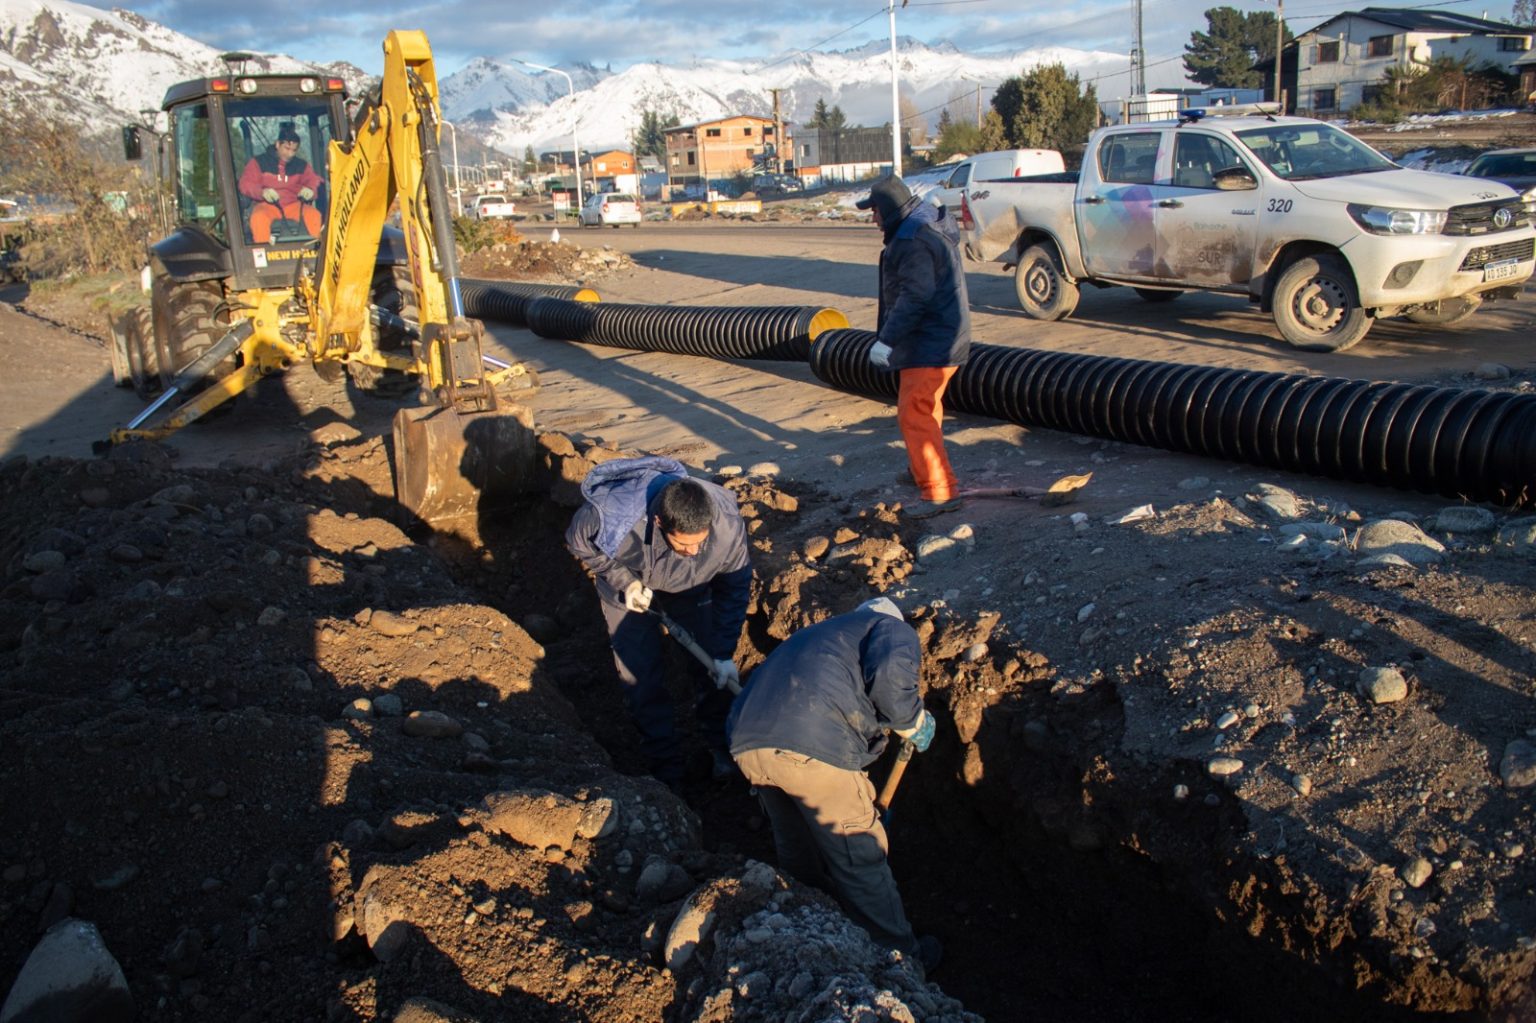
(923, 331)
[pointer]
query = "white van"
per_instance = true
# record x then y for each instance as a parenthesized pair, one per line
(1005, 163)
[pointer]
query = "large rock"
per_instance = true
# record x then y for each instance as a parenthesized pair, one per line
(70, 977)
(545, 819)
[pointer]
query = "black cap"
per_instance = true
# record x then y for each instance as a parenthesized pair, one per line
(889, 195)
(287, 134)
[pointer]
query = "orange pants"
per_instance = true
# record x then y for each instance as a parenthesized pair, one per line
(920, 416)
(265, 213)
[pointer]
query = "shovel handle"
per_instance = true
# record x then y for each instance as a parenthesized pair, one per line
(899, 768)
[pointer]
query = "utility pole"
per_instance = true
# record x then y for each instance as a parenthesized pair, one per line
(1138, 58)
(1279, 49)
(778, 135)
(895, 96)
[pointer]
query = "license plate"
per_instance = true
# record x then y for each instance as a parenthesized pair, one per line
(1500, 270)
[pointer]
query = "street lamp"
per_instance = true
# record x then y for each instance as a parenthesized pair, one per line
(575, 146)
(458, 191)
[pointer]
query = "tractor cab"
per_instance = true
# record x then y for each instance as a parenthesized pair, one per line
(246, 167)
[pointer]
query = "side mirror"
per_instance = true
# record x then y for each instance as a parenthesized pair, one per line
(1234, 179)
(132, 148)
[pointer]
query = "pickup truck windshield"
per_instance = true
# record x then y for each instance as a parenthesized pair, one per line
(1299, 153)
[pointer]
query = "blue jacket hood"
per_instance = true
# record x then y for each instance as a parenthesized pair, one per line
(622, 489)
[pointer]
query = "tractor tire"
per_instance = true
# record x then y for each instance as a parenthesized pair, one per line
(189, 318)
(1044, 292)
(1317, 307)
(1157, 296)
(136, 331)
(1446, 312)
(394, 291)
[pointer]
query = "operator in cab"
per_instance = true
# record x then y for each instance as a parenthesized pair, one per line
(281, 185)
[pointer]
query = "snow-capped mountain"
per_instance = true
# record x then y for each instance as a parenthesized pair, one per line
(99, 68)
(511, 108)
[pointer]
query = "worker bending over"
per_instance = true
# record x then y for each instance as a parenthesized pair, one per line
(648, 533)
(812, 717)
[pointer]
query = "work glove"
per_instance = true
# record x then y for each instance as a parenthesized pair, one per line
(880, 355)
(726, 675)
(637, 597)
(306, 194)
(269, 194)
(921, 732)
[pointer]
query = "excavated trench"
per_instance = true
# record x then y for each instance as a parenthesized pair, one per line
(1060, 888)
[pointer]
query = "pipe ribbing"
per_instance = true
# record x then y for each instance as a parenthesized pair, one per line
(507, 301)
(1463, 443)
(782, 333)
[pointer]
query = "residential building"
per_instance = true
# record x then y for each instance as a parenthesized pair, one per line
(1342, 62)
(613, 171)
(1525, 67)
(828, 156)
(712, 150)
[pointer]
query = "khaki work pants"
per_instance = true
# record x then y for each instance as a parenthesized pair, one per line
(827, 834)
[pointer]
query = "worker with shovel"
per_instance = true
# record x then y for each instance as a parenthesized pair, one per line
(650, 535)
(808, 722)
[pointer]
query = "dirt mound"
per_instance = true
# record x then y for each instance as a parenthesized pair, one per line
(289, 768)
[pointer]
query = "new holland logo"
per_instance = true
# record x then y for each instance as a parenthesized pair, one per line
(1503, 217)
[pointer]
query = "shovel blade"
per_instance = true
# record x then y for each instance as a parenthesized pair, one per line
(451, 465)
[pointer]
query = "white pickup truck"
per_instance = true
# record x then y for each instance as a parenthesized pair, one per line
(493, 206)
(1318, 228)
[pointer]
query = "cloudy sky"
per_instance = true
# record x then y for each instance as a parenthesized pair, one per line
(623, 32)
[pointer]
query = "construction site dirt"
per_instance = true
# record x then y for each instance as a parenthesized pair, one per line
(1215, 741)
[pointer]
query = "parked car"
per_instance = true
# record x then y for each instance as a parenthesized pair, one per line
(611, 209)
(493, 206)
(1513, 167)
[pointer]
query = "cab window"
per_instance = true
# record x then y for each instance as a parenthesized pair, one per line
(197, 181)
(1130, 158)
(1197, 158)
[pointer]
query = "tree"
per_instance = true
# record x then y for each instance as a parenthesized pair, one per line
(530, 162)
(958, 137)
(1524, 12)
(100, 229)
(1045, 109)
(1225, 56)
(827, 120)
(914, 128)
(651, 137)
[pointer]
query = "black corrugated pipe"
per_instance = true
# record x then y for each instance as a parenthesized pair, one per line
(782, 333)
(507, 301)
(1462, 443)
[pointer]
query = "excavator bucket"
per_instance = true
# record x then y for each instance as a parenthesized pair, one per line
(451, 465)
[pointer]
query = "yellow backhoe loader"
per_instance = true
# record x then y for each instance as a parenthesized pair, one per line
(270, 264)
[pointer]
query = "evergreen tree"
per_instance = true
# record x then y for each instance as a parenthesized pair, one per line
(1225, 56)
(1045, 109)
(650, 138)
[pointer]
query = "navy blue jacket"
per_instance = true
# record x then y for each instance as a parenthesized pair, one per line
(615, 537)
(832, 690)
(925, 314)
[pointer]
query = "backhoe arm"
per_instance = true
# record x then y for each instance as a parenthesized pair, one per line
(394, 154)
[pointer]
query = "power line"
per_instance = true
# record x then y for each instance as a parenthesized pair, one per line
(794, 53)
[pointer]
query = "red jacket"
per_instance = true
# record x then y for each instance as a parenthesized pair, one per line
(265, 171)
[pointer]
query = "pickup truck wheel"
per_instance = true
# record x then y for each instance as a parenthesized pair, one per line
(1446, 311)
(1317, 307)
(1157, 295)
(1044, 293)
